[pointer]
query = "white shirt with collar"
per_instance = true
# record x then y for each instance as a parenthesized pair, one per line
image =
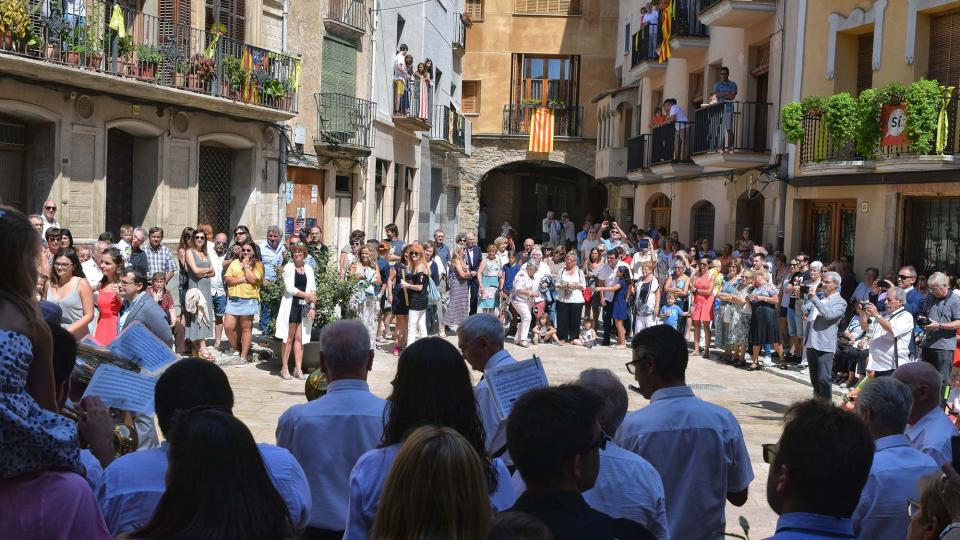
(132, 485)
(892, 482)
(92, 272)
(699, 451)
(884, 344)
(48, 225)
(608, 277)
(931, 435)
(369, 475)
(627, 487)
(126, 310)
(494, 425)
(355, 415)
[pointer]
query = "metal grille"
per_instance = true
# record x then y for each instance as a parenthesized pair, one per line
(13, 134)
(931, 232)
(848, 232)
(821, 235)
(704, 216)
(215, 201)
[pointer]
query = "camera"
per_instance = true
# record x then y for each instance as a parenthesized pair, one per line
(805, 288)
(923, 321)
(864, 304)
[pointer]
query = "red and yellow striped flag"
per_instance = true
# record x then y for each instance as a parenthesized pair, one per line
(666, 31)
(541, 131)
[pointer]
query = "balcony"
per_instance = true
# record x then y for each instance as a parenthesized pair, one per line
(644, 55)
(731, 136)
(736, 13)
(671, 151)
(611, 164)
(413, 108)
(156, 60)
(343, 126)
(567, 120)
(346, 18)
(460, 35)
(639, 158)
(449, 129)
(688, 36)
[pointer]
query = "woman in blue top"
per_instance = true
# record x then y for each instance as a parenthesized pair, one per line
(621, 311)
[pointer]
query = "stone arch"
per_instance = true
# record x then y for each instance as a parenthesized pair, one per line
(625, 128)
(703, 220)
(30, 164)
(230, 140)
(135, 127)
(659, 210)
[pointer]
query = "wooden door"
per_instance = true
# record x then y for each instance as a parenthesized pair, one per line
(307, 195)
(830, 229)
(119, 200)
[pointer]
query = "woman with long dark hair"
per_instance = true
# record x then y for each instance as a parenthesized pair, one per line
(217, 485)
(591, 267)
(108, 298)
(66, 240)
(398, 301)
(198, 319)
(432, 387)
(243, 279)
(70, 290)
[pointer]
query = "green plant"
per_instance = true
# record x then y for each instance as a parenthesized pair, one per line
(125, 46)
(274, 88)
(15, 19)
(868, 125)
(813, 105)
(791, 120)
(148, 54)
(233, 71)
(556, 103)
(840, 118)
(923, 110)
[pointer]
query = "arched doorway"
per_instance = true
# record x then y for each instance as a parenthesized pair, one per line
(523, 192)
(702, 220)
(659, 210)
(133, 173)
(28, 155)
(750, 214)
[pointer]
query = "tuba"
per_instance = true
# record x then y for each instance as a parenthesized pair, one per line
(125, 437)
(316, 385)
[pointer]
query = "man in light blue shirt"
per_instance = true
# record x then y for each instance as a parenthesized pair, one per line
(817, 471)
(697, 447)
(884, 405)
(272, 252)
(132, 485)
(929, 429)
(480, 339)
(328, 435)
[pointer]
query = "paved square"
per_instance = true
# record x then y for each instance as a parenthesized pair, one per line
(758, 399)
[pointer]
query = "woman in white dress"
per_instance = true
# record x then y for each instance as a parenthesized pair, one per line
(647, 299)
(296, 313)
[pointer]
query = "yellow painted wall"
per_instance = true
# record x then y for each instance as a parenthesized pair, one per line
(492, 41)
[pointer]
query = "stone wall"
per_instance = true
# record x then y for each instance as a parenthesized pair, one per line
(490, 153)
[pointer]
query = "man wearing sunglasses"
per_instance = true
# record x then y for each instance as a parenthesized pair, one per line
(49, 216)
(696, 446)
(555, 439)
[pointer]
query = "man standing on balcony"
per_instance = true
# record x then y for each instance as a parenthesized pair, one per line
(399, 77)
(675, 114)
(726, 92)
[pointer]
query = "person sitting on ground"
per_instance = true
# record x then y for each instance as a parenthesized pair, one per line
(437, 488)
(545, 332)
(588, 336)
(217, 485)
(817, 470)
(627, 485)
(555, 438)
(480, 338)
(349, 409)
(133, 484)
(432, 386)
(884, 405)
(696, 446)
(928, 428)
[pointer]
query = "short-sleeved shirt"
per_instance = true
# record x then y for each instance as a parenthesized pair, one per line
(942, 310)
(677, 112)
(672, 315)
(699, 451)
(417, 300)
(724, 87)
(243, 290)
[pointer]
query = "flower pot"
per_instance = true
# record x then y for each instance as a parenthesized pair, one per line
(194, 82)
(178, 79)
(95, 60)
(73, 58)
(52, 51)
(6, 41)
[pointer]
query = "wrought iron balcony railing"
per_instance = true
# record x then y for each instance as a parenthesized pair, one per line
(448, 125)
(350, 13)
(685, 20)
(567, 120)
(738, 125)
(159, 51)
(639, 152)
(344, 120)
(644, 44)
(671, 143)
(460, 34)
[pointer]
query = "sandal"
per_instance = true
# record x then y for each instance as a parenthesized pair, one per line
(783, 366)
(285, 375)
(206, 355)
(753, 367)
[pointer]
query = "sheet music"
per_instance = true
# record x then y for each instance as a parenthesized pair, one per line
(507, 383)
(138, 344)
(122, 389)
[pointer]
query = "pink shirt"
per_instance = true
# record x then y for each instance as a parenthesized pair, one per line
(51, 505)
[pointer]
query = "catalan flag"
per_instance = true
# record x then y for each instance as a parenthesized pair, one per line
(666, 30)
(541, 131)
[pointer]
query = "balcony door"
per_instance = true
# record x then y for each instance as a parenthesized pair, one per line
(339, 75)
(546, 80)
(830, 229)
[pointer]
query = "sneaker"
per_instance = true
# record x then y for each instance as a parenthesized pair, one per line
(298, 374)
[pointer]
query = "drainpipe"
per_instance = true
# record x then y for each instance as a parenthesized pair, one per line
(797, 86)
(371, 213)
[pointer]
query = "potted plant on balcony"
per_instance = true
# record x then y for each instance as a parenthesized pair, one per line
(125, 51)
(148, 57)
(16, 29)
(556, 103)
(277, 93)
(232, 76)
(202, 71)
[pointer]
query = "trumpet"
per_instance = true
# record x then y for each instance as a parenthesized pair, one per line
(125, 437)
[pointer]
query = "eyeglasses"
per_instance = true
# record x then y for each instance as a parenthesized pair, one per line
(49, 207)
(246, 251)
(63, 265)
(913, 507)
(416, 254)
(238, 233)
(901, 276)
(200, 236)
(769, 452)
(125, 283)
(355, 243)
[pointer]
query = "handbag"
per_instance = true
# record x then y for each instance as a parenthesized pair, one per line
(587, 294)
(433, 295)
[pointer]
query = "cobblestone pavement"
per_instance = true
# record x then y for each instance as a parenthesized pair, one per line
(758, 399)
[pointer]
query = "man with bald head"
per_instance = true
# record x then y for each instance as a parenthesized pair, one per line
(49, 216)
(350, 411)
(928, 428)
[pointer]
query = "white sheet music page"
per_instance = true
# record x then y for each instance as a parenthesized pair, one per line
(507, 383)
(122, 389)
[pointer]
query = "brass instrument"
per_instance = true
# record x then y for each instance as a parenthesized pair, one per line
(125, 437)
(316, 385)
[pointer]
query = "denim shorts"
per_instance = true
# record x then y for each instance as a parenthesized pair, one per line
(243, 307)
(219, 305)
(792, 320)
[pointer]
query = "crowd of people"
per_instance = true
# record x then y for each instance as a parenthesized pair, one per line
(437, 458)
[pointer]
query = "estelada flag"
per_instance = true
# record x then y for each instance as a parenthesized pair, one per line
(666, 30)
(541, 131)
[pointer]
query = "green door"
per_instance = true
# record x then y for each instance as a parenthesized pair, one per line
(339, 67)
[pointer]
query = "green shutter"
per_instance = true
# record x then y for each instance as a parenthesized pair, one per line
(339, 67)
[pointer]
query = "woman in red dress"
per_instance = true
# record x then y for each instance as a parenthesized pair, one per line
(702, 312)
(109, 301)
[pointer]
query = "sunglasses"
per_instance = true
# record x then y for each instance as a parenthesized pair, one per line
(200, 236)
(599, 444)
(416, 254)
(49, 207)
(901, 276)
(355, 243)
(238, 233)
(246, 251)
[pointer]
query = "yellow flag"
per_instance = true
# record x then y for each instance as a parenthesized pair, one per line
(117, 22)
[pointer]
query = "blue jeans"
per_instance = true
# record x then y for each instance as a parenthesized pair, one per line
(266, 315)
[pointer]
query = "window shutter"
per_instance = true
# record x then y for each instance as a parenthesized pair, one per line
(339, 69)
(470, 97)
(474, 9)
(865, 62)
(944, 58)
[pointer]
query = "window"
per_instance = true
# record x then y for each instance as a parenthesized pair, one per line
(547, 7)
(944, 62)
(339, 69)
(704, 218)
(437, 75)
(230, 13)
(696, 90)
(470, 98)
(474, 10)
(546, 80)
(864, 62)
(929, 233)
(626, 39)
(830, 229)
